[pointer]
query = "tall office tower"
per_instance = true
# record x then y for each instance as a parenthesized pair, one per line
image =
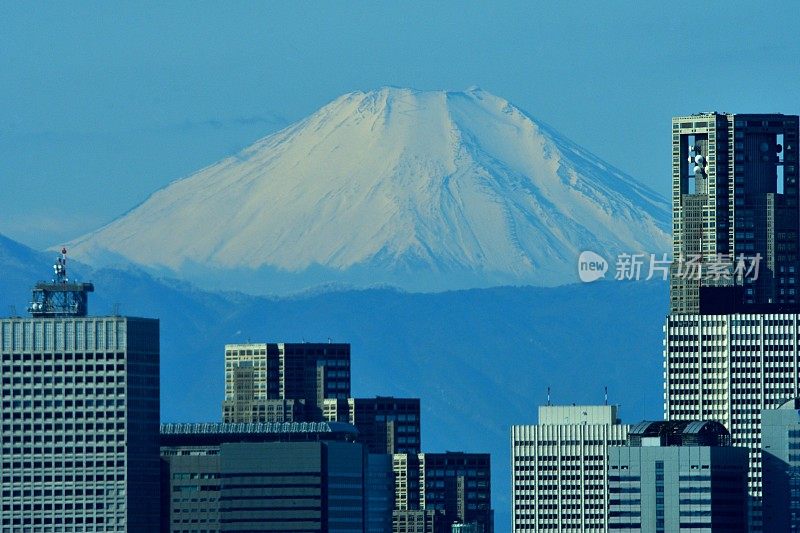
(459, 484)
(559, 468)
(385, 424)
(283, 382)
(677, 476)
(730, 349)
(434, 490)
(780, 445)
(80, 415)
(307, 476)
(734, 193)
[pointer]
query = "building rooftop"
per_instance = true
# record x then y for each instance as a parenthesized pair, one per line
(578, 414)
(211, 433)
(679, 433)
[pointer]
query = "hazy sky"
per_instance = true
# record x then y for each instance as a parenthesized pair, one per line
(103, 103)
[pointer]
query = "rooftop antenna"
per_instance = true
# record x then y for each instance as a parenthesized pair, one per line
(61, 297)
(606, 395)
(115, 309)
(548, 395)
(12, 309)
(60, 268)
(329, 340)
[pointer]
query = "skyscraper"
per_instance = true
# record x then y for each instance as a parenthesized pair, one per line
(385, 424)
(268, 382)
(80, 416)
(559, 468)
(730, 347)
(734, 195)
(434, 490)
(459, 484)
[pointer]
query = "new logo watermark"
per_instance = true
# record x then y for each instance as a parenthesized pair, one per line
(720, 267)
(591, 266)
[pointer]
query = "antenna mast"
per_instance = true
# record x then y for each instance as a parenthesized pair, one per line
(60, 297)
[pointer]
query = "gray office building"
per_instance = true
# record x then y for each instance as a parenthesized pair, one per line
(80, 416)
(300, 477)
(677, 476)
(780, 456)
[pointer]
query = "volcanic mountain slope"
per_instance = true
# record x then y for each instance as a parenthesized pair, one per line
(421, 190)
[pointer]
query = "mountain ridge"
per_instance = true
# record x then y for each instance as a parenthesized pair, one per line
(479, 359)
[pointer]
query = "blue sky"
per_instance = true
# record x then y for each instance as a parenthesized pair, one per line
(104, 103)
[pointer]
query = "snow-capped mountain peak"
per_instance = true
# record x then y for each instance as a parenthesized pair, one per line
(424, 190)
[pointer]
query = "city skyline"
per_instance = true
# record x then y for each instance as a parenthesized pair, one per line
(420, 221)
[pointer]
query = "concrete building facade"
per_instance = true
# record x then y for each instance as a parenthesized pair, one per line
(80, 415)
(559, 470)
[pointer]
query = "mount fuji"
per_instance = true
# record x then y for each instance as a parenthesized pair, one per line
(426, 191)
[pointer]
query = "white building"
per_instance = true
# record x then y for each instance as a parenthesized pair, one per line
(729, 368)
(559, 468)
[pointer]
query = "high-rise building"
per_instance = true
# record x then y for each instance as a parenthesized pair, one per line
(308, 476)
(459, 484)
(385, 424)
(268, 382)
(677, 476)
(734, 193)
(780, 445)
(559, 468)
(728, 368)
(730, 345)
(80, 416)
(451, 486)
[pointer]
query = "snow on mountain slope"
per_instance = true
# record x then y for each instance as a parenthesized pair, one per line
(423, 190)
